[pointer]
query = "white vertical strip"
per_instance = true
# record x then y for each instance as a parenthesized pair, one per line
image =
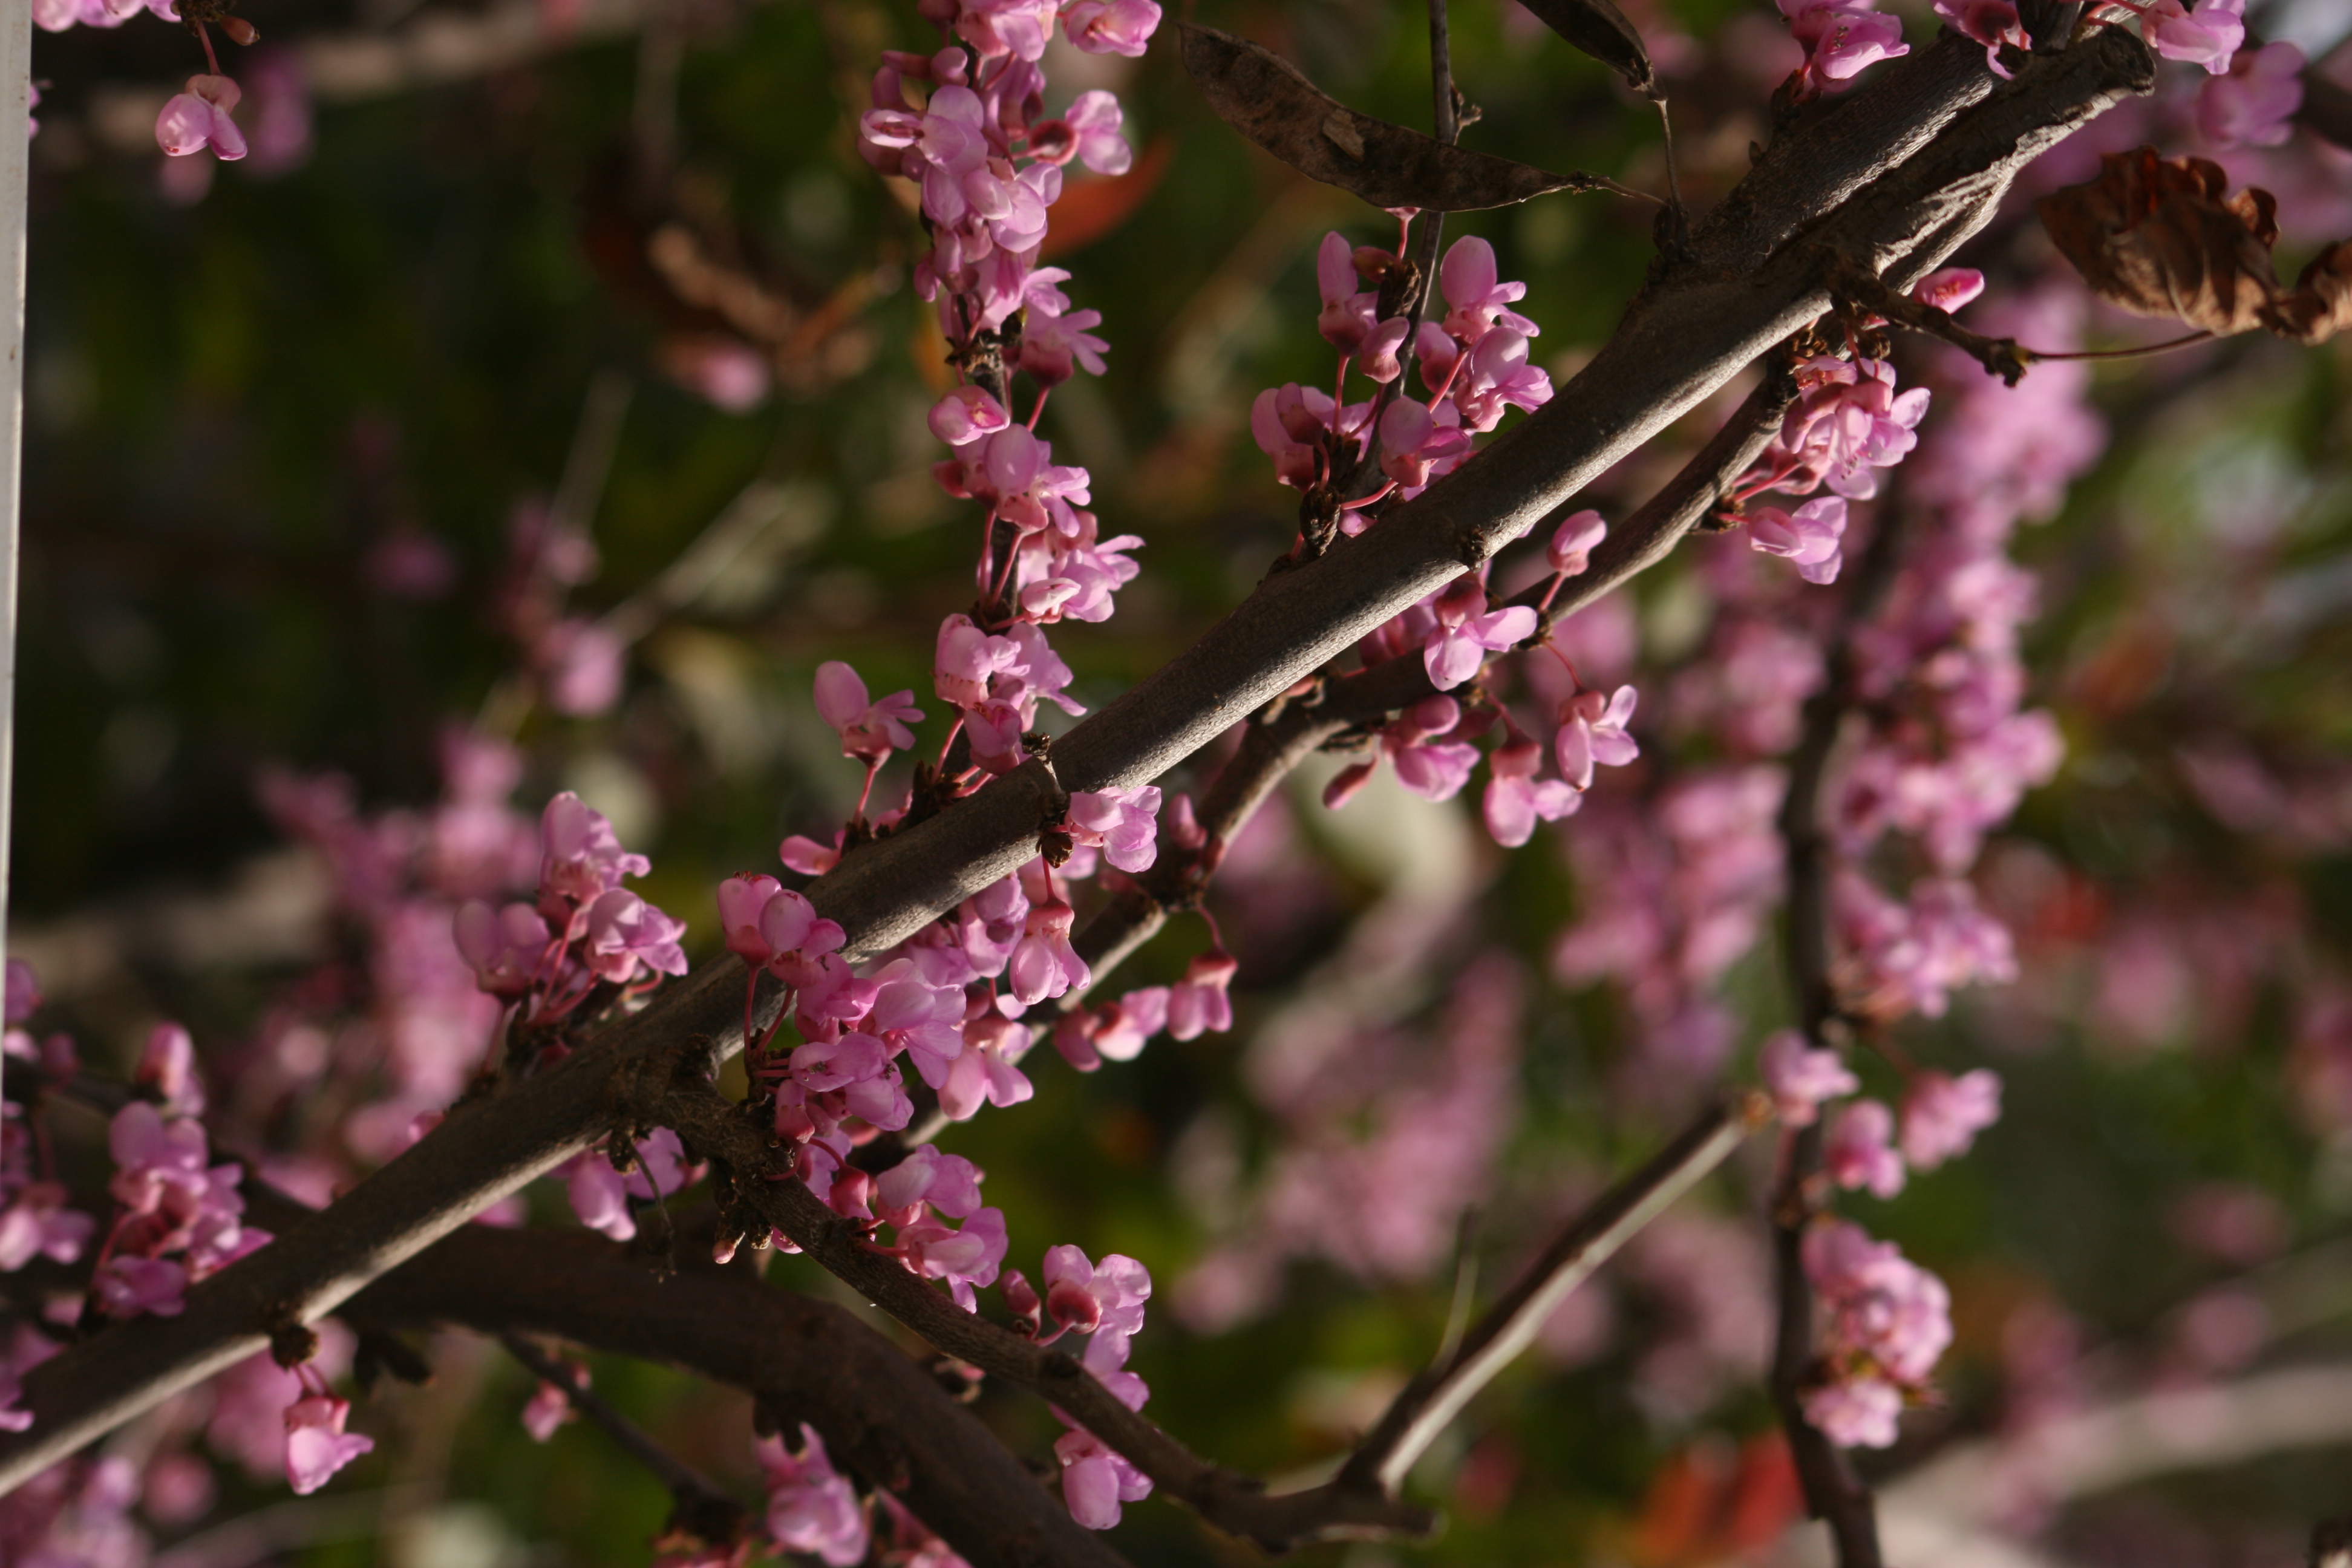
(15, 147)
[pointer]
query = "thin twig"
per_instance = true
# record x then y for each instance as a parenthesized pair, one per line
(703, 1506)
(1427, 1405)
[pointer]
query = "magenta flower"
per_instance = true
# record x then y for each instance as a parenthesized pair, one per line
(1416, 444)
(1105, 1299)
(911, 1015)
(550, 1407)
(1857, 1412)
(627, 936)
(1841, 37)
(1200, 1003)
(1095, 1479)
(1809, 536)
(316, 1444)
(1467, 632)
(2254, 103)
(794, 934)
(1849, 421)
(199, 118)
(167, 1066)
(129, 1286)
(1515, 799)
(1573, 543)
(1095, 121)
(1499, 376)
(2207, 36)
(1477, 300)
(1288, 423)
(1044, 964)
(966, 659)
(1112, 26)
(965, 1258)
(1943, 1115)
(580, 855)
(985, 1073)
(1346, 319)
(1992, 23)
(1950, 287)
(812, 1506)
(948, 1183)
(1378, 358)
(741, 903)
(24, 992)
(159, 1163)
(1122, 823)
(869, 730)
(1592, 734)
(1798, 1078)
(1053, 341)
(37, 1224)
(506, 948)
(1857, 1152)
(965, 415)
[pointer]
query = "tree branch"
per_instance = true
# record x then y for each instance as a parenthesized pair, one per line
(1936, 145)
(1833, 1492)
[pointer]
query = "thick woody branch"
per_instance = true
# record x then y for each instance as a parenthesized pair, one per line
(717, 1129)
(1834, 1494)
(1908, 168)
(1427, 1405)
(882, 1417)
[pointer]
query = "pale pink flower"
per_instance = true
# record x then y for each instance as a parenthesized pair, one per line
(316, 1444)
(1809, 536)
(167, 1066)
(1573, 543)
(199, 118)
(1416, 444)
(1515, 799)
(796, 936)
(128, 1286)
(1477, 300)
(812, 1506)
(1840, 38)
(2254, 103)
(1044, 965)
(1122, 823)
(1499, 376)
(1992, 23)
(1942, 1115)
(506, 948)
(37, 1224)
(1095, 1479)
(580, 855)
(2207, 36)
(742, 902)
(627, 936)
(1112, 26)
(911, 1015)
(948, 1183)
(1857, 1152)
(1466, 632)
(967, 659)
(1346, 319)
(1950, 287)
(964, 415)
(965, 1258)
(869, 730)
(1859, 1413)
(1591, 733)
(550, 1407)
(1799, 1078)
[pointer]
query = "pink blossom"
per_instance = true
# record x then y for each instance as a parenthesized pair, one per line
(199, 118)
(1198, 1003)
(924, 1021)
(796, 936)
(985, 1073)
(1950, 287)
(1094, 120)
(1849, 423)
(316, 1444)
(1416, 444)
(1044, 964)
(1841, 37)
(167, 1066)
(1592, 734)
(550, 1406)
(1346, 319)
(1122, 823)
(812, 1506)
(586, 665)
(742, 902)
(1942, 1115)
(1476, 301)
(1112, 26)
(1053, 341)
(1467, 631)
(1105, 1299)
(1859, 1412)
(868, 730)
(627, 936)
(2207, 36)
(1857, 1152)
(1799, 1078)
(580, 855)
(128, 1286)
(159, 1164)
(24, 992)
(1290, 423)
(1378, 358)
(1809, 536)
(1095, 1479)
(1573, 543)
(1499, 376)
(948, 1183)
(966, 660)
(2254, 103)
(37, 1224)
(961, 418)
(1516, 798)
(507, 948)
(806, 855)
(1124, 1026)
(965, 1258)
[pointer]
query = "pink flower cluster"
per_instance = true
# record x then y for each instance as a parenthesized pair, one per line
(179, 1219)
(585, 929)
(1847, 422)
(1473, 366)
(1104, 1300)
(1841, 37)
(1889, 1322)
(812, 1506)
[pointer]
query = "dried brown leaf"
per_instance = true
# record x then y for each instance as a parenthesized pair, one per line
(2158, 236)
(2321, 303)
(1267, 98)
(1600, 30)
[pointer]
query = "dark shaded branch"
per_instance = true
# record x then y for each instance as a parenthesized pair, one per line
(2326, 111)
(718, 1130)
(882, 1417)
(1900, 174)
(1428, 1405)
(1834, 1494)
(702, 1506)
